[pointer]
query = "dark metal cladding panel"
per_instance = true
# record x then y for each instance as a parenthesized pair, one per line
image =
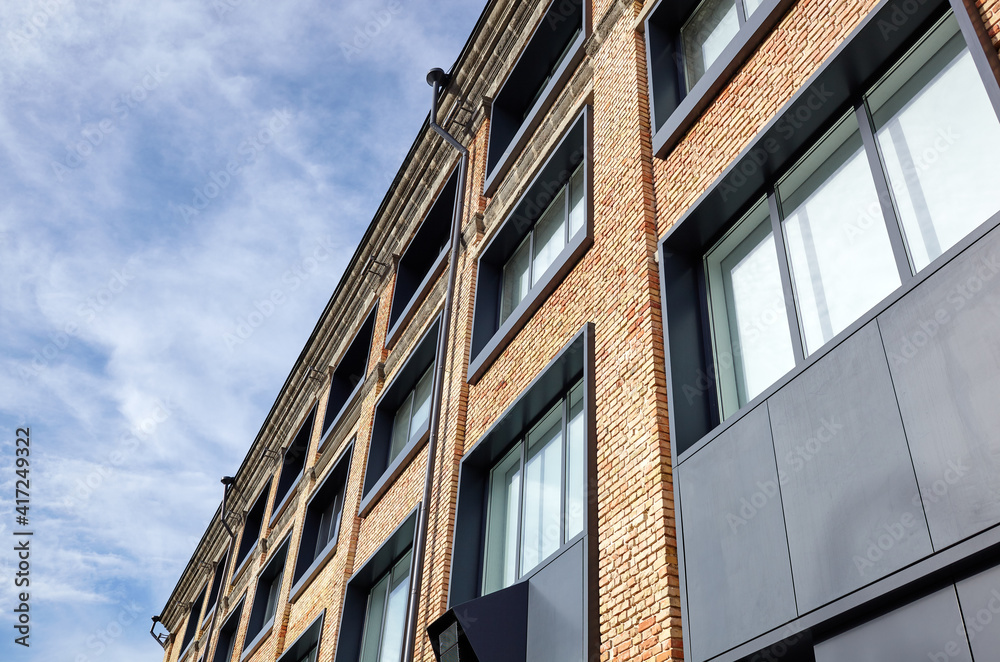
(944, 355)
(850, 497)
(739, 580)
(980, 600)
(928, 629)
(555, 610)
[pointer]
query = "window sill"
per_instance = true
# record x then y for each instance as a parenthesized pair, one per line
(285, 500)
(410, 309)
(187, 649)
(243, 564)
(392, 472)
(534, 117)
(537, 295)
(757, 28)
(313, 571)
(342, 415)
(256, 642)
(208, 615)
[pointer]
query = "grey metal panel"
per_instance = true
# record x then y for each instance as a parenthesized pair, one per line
(944, 355)
(980, 600)
(928, 629)
(738, 576)
(850, 497)
(555, 610)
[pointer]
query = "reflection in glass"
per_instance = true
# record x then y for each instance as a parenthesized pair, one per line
(706, 34)
(838, 246)
(938, 134)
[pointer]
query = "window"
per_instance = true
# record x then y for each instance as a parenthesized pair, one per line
(322, 523)
(545, 64)
(835, 233)
(529, 518)
(372, 619)
(825, 219)
(349, 376)
(251, 528)
(193, 622)
(293, 464)
(422, 261)
(386, 614)
(402, 418)
(745, 284)
(305, 648)
(227, 634)
(548, 229)
(935, 129)
(213, 595)
(412, 416)
(266, 597)
(539, 250)
(522, 497)
(693, 47)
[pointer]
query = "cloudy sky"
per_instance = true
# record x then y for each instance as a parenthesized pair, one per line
(164, 168)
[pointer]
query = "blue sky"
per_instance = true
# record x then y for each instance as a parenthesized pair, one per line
(165, 168)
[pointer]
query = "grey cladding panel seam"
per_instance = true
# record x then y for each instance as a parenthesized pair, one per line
(555, 609)
(739, 579)
(928, 629)
(850, 497)
(980, 600)
(944, 356)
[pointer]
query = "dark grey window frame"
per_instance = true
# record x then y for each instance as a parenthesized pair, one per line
(838, 85)
(193, 622)
(489, 336)
(304, 642)
(342, 391)
(354, 612)
(334, 482)
(865, 55)
(216, 590)
(672, 110)
(273, 569)
(231, 627)
(417, 268)
(508, 135)
(380, 471)
(575, 361)
(254, 519)
(294, 457)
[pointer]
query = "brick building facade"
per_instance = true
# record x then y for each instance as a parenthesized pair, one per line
(630, 430)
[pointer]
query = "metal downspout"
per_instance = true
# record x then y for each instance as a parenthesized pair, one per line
(438, 80)
(228, 482)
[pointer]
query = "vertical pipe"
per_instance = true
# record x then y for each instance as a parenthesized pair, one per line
(437, 79)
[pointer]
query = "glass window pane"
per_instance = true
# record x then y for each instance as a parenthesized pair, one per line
(706, 34)
(753, 342)
(550, 236)
(540, 527)
(501, 523)
(938, 136)
(394, 627)
(838, 245)
(401, 427)
(576, 201)
(272, 598)
(515, 280)
(576, 497)
(751, 6)
(373, 622)
(421, 403)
